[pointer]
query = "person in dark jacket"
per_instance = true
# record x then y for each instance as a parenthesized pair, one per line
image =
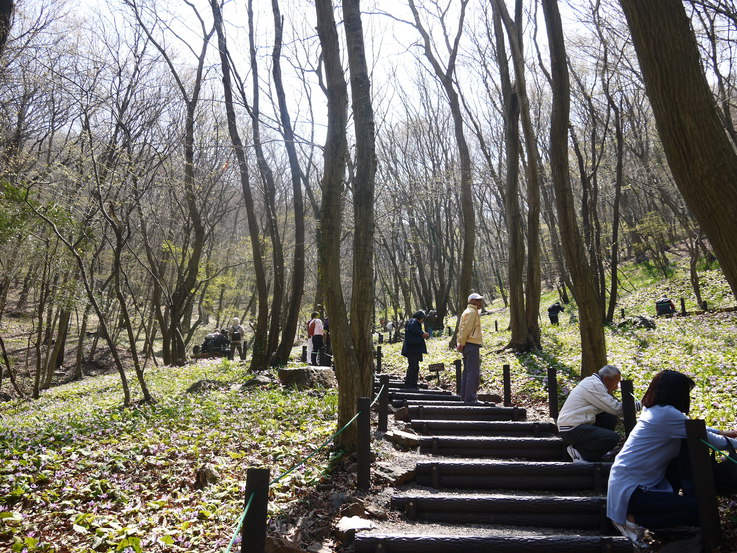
(413, 348)
(553, 312)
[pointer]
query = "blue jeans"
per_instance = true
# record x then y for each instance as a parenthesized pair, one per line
(471, 377)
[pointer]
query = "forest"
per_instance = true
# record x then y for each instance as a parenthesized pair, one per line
(167, 165)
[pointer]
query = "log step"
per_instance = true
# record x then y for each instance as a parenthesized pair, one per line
(572, 512)
(430, 401)
(423, 394)
(515, 475)
(466, 412)
(538, 449)
(486, 428)
(370, 542)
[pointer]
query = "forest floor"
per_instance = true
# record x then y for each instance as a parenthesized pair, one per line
(79, 473)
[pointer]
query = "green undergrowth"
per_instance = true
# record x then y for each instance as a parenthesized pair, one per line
(80, 473)
(702, 346)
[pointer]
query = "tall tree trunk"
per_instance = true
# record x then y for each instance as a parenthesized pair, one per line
(258, 356)
(512, 211)
(593, 345)
(532, 299)
(298, 266)
(362, 293)
(267, 176)
(350, 381)
(699, 150)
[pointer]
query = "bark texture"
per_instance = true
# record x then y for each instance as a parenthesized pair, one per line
(700, 153)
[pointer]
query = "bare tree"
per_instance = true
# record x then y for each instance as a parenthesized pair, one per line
(700, 152)
(593, 345)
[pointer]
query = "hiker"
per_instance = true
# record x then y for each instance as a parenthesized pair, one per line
(469, 344)
(413, 348)
(588, 417)
(316, 330)
(236, 332)
(553, 312)
(664, 306)
(646, 476)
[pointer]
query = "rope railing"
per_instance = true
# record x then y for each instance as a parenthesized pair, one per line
(724, 454)
(240, 523)
(242, 517)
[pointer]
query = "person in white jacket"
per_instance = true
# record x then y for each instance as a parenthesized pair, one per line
(588, 417)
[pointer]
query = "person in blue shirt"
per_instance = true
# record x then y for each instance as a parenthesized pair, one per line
(652, 466)
(413, 348)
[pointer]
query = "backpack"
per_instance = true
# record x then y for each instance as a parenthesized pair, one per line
(311, 328)
(235, 336)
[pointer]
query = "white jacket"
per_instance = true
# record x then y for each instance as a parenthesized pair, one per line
(587, 400)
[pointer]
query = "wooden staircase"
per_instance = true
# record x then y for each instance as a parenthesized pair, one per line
(493, 482)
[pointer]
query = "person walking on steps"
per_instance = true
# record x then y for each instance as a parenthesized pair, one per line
(469, 344)
(414, 347)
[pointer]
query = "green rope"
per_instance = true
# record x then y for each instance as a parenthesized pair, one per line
(240, 523)
(720, 451)
(326, 442)
(295, 467)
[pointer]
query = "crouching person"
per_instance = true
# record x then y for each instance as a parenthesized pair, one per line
(588, 417)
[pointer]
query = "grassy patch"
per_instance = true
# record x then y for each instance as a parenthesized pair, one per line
(80, 473)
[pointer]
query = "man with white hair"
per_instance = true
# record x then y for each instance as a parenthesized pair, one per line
(236, 332)
(469, 344)
(588, 417)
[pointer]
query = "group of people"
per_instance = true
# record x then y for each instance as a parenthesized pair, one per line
(225, 341)
(468, 343)
(650, 481)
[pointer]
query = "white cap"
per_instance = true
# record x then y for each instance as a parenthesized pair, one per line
(475, 296)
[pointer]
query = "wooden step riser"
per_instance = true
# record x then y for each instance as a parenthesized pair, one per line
(514, 476)
(461, 412)
(485, 428)
(439, 402)
(571, 513)
(415, 394)
(490, 453)
(373, 543)
(530, 483)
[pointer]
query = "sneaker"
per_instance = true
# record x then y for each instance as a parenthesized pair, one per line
(575, 455)
(633, 531)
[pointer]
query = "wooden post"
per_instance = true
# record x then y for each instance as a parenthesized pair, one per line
(304, 354)
(553, 392)
(381, 337)
(253, 531)
(383, 402)
(507, 386)
(683, 306)
(459, 374)
(628, 406)
(496, 326)
(378, 359)
(704, 305)
(703, 481)
(363, 448)
(623, 312)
